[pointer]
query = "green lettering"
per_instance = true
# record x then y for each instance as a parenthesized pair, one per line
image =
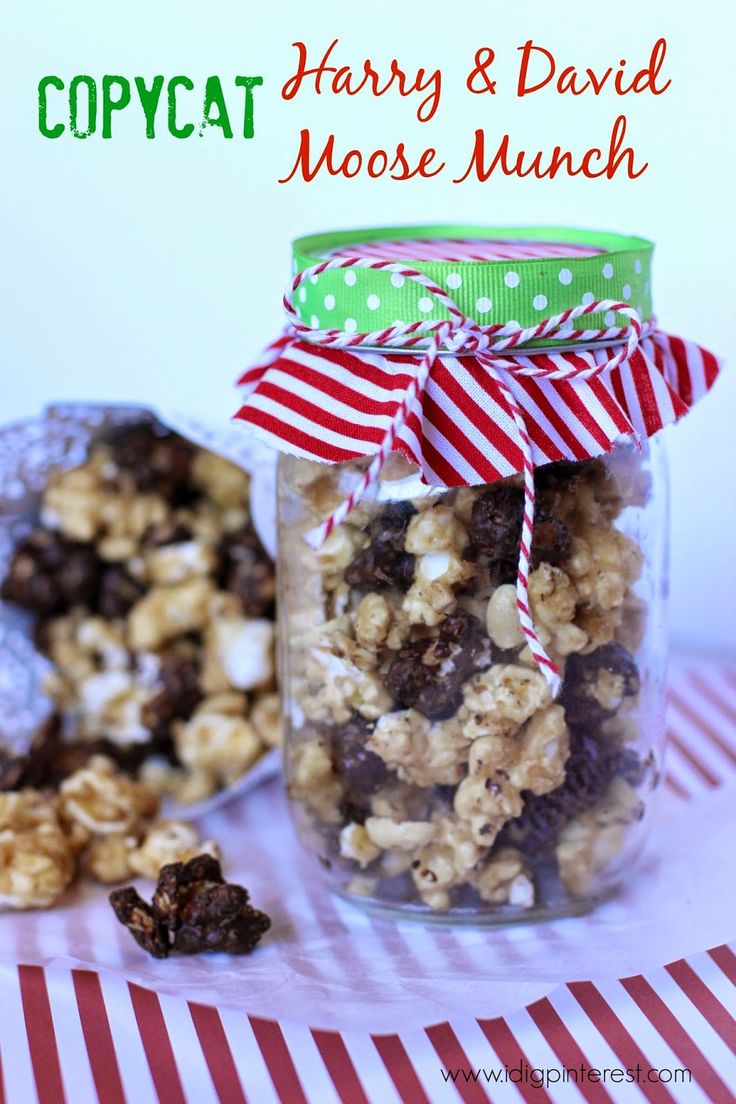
(248, 83)
(57, 130)
(213, 97)
(109, 104)
(149, 98)
(187, 129)
(91, 106)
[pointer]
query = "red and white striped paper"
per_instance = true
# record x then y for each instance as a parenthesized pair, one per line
(74, 1033)
(332, 405)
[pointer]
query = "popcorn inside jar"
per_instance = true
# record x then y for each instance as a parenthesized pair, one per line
(472, 543)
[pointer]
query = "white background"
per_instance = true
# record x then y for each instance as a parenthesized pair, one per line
(152, 270)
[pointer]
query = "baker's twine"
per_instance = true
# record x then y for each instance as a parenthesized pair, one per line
(459, 334)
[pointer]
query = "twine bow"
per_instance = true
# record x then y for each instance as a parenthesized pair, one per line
(494, 347)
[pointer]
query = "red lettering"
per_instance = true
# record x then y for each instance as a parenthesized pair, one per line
(376, 163)
(617, 158)
(522, 89)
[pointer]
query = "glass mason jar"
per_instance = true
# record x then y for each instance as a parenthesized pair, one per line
(427, 766)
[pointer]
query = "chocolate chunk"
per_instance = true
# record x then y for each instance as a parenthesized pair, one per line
(49, 574)
(247, 571)
(495, 521)
(589, 771)
(495, 531)
(138, 917)
(360, 769)
(193, 910)
(583, 692)
(177, 695)
(156, 461)
(119, 592)
(428, 674)
(384, 562)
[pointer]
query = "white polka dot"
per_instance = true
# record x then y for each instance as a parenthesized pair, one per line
(350, 325)
(647, 288)
(514, 324)
(397, 279)
(607, 271)
(373, 302)
(329, 302)
(398, 322)
(609, 318)
(637, 265)
(302, 293)
(565, 276)
(588, 297)
(425, 304)
(539, 302)
(299, 313)
(313, 278)
(512, 279)
(454, 280)
(295, 266)
(483, 305)
(350, 277)
(626, 291)
(314, 322)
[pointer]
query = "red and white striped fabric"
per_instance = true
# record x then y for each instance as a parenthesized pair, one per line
(462, 431)
(78, 1035)
(458, 250)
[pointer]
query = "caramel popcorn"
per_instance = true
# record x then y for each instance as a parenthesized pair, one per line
(168, 841)
(591, 841)
(152, 592)
(101, 800)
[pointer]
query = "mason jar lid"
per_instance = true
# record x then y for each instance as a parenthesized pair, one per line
(495, 275)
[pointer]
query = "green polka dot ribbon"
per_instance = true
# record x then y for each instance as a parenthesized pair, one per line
(495, 275)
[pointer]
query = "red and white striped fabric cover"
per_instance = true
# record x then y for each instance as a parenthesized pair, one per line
(78, 1036)
(458, 250)
(331, 405)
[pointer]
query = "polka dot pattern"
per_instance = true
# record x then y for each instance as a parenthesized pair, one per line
(521, 289)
